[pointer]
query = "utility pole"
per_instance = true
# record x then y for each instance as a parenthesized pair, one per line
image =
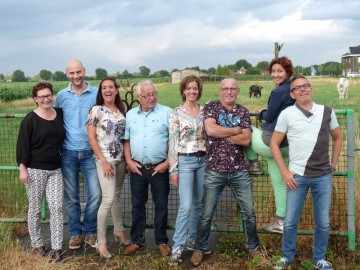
(277, 49)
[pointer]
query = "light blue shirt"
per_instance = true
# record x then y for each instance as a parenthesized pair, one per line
(148, 134)
(76, 109)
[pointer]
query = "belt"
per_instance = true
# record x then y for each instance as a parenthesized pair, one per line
(195, 154)
(149, 166)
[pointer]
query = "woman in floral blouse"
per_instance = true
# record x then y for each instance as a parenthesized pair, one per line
(187, 163)
(106, 128)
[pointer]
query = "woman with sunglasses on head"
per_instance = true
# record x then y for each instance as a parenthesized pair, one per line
(40, 139)
(281, 70)
(106, 128)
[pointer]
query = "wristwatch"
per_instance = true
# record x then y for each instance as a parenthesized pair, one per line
(333, 168)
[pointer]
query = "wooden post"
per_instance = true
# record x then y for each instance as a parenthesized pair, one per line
(277, 49)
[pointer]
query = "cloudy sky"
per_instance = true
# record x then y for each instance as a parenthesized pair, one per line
(167, 34)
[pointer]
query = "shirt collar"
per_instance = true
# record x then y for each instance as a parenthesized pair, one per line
(87, 89)
(154, 109)
(305, 112)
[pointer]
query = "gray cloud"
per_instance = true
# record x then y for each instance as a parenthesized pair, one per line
(119, 35)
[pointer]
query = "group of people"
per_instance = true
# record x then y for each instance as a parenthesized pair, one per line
(199, 150)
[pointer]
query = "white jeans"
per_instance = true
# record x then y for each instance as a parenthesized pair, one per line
(111, 191)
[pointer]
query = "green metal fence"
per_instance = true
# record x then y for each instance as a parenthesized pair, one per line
(13, 201)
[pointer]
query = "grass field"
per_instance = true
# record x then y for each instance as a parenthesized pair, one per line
(227, 254)
(324, 93)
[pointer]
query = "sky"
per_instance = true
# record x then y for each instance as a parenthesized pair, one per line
(119, 35)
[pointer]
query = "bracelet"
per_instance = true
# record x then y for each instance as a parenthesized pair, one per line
(284, 172)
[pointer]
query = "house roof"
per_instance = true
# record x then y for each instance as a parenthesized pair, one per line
(353, 50)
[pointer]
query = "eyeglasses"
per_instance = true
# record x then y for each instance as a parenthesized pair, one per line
(148, 96)
(42, 98)
(231, 89)
(306, 86)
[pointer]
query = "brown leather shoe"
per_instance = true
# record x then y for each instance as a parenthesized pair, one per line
(131, 249)
(196, 258)
(164, 249)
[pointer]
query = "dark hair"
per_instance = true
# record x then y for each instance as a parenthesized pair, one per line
(185, 82)
(118, 102)
(285, 63)
(40, 86)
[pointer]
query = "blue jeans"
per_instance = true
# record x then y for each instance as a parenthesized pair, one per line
(241, 185)
(71, 162)
(321, 188)
(191, 186)
(160, 188)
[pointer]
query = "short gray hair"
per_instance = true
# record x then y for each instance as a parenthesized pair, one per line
(141, 83)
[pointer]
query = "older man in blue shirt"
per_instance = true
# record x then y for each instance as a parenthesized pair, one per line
(146, 148)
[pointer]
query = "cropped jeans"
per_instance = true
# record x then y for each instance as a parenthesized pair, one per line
(71, 163)
(241, 185)
(160, 188)
(191, 171)
(321, 188)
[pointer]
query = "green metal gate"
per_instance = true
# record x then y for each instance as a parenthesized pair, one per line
(13, 201)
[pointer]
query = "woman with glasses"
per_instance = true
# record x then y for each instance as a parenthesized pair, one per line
(281, 70)
(40, 139)
(106, 128)
(187, 164)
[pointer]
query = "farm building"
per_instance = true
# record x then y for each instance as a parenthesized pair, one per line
(177, 76)
(241, 71)
(351, 60)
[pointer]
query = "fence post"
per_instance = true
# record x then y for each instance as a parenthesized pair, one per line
(351, 179)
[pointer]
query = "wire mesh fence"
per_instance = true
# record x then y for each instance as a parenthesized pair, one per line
(13, 201)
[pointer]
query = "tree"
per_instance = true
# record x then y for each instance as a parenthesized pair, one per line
(45, 74)
(263, 65)
(161, 73)
(211, 71)
(101, 73)
(144, 71)
(243, 63)
(2, 77)
(222, 71)
(320, 69)
(126, 74)
(18, 76)
(194, 68)
(59, 76)
(253, 71)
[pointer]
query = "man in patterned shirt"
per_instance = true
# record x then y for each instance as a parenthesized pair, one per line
(228, 130)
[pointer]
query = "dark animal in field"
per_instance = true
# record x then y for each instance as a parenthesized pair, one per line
(255, 90)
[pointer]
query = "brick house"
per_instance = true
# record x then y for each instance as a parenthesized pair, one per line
(351, 60)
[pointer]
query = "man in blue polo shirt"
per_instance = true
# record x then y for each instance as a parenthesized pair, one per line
(76, 100)
(146, 149)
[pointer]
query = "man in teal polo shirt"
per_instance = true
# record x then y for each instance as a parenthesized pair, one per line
(76, 100)
(146, 149)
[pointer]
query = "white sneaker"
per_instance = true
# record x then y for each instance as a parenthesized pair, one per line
(175, 256)
(281, 264)
(323, 265)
